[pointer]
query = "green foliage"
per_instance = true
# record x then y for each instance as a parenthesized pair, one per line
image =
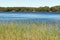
(31, 9)
(55, 8)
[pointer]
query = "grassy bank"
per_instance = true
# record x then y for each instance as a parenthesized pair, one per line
(29, 31)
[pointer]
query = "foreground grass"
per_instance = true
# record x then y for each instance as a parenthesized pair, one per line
(29, 31)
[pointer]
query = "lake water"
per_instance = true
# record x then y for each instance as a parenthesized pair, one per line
(50, 18)
(54, 16)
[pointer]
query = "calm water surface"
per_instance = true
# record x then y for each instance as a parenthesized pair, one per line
(45, 17)
(29, 15)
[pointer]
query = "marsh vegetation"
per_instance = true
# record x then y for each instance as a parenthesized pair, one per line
(18, 30)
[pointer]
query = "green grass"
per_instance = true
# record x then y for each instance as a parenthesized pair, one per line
(29, 31)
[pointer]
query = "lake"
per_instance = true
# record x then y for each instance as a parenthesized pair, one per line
(29, 16)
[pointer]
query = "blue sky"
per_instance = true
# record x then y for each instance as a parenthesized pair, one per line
(28, 3)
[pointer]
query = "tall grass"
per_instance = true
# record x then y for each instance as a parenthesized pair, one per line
(29, 31)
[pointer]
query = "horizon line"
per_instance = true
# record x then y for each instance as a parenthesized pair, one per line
(29, 6)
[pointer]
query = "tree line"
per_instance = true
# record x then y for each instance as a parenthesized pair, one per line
(30, 9)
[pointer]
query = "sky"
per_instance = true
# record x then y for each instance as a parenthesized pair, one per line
(28, 3)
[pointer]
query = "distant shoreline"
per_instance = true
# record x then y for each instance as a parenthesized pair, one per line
(23, 12)
(30, 9)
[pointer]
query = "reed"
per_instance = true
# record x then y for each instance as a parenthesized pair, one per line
(29, 31)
